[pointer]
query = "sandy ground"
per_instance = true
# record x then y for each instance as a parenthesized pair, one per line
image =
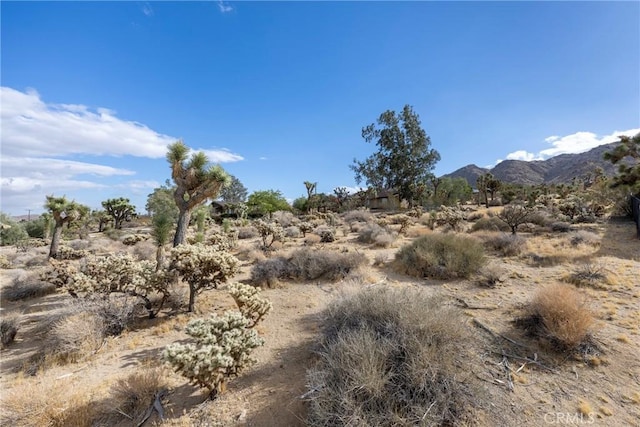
(269, 394)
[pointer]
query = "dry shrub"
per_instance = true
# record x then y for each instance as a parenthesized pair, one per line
(357, 216)
(9, 326)
(145, 251)
(376, 235)
(490, 275)
(131, 397)
(559, 314)
(247, 233)
(584, 237)
(474, 216)
(306, 264)
(387, 358)
(312, 239)
(588, 275)
(42, 403)
(441, 256)
(284, 218)
(490, 224)
(292, 232)
(560, 227)
(506, 244)
(73, 338)
(380, 259)
(27, 287)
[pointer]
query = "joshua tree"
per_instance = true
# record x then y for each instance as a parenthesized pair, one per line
(162, 225)
(120, 210)
(195, 181)
(63, 212)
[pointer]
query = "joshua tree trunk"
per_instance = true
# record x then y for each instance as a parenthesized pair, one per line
(159, 257)
(192, 297)
(55, 241)
(181, 229)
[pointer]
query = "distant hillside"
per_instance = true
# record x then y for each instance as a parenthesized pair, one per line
(555, 170)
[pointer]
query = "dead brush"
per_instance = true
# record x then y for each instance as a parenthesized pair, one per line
(559, 314)
(131, 397)
(387, 358)
(9, 326)
(588, 275)
(490, 275)
(26, 287)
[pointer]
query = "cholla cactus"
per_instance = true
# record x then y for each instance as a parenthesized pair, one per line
(202, 267)
(222, 350)
(67, 253)
(224, 241)
(60, 274)
(132, 239)
(269, 229)
(451, 215)
(250, 303)
(305, 227)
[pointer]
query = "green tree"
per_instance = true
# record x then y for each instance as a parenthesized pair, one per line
(453, 190)
(235, 192)
(63, 212)
(120, 210)
(404, 159)
(11, 232)
(196, 181)
(267, 202)
(161, 200)
(103, 218)
(627, 152)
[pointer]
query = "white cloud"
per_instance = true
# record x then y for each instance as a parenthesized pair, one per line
(264, 158)
(522, 155)
(147, 9)
(55, 168)
(224, 7)
(578, 142)
(221, 156)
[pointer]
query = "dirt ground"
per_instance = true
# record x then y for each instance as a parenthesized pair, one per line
(548, 391)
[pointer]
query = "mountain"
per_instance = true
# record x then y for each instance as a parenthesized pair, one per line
(555, 170)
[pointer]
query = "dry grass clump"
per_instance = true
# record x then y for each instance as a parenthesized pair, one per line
(357, 216)
(506, 244)
(387, 358)
(441, 256)
(131, 397)
(490, 224)
(9, 326)
(247, 232)
(584, 237)
(490, 275)
(306, 264)
(46, 403)
(559, 314)
(145, 251)
(376, 235)
(588, 275)
(560, 227)
(27, 287)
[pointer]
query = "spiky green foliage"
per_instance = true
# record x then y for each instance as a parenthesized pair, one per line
(162, 225)
(63, 212)
(222, 349)
(628, 174)
(252, 306)
(404, 159)
(195, 180)
(119, 210)
(202, 267)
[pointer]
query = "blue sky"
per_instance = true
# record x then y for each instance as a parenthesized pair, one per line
(278, 92)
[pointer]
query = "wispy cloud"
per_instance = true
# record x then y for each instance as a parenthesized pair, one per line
(221, 156)
(578, 142)
(224, 7)
(147, 9)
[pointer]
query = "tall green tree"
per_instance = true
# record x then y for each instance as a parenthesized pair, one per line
(63, 212)
(404, 159)
(627, 156)
(196, 181)
(120, 210)
(161, 200)
(235, 192)
(267, 202)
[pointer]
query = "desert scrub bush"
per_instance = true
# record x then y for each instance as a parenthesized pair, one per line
(584, 237)
(225, 241)
(441, 256)
(247, 232)
(506, 244)
(73, 337)
(326, 233)
(252, 306)
(269, 232)
(284, 218)
(515, 215)
(68, 253)
(222, 349)
(491, 223)
(376, 235)
(120, 273)
(11, 231)
(9, 326)
(292, 232)
(130, 397)
(26, 287)
(357, 216)
(559, 314)
(588, 275)
(306, 264)
(202, 267)
(133, 239)
(451, 216)
(4, 262)
(475, 216)
(387, 357)
(490, 275)
(560, 227)
(305, 227)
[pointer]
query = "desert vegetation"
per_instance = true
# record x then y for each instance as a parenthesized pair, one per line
(432, 308)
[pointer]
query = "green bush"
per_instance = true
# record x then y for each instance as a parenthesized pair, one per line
(490, 224)
(11, 232)
(441, 256)
(388, 358)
